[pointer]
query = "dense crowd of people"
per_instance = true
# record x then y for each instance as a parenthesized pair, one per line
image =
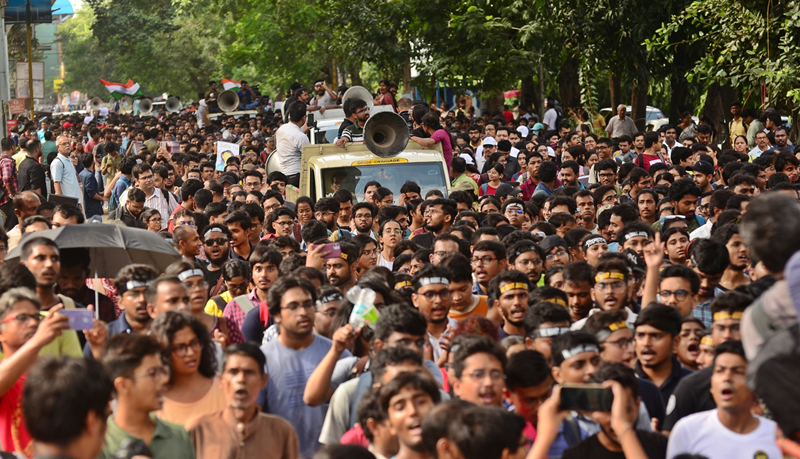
(381, 323)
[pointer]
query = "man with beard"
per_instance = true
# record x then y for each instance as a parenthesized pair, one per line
(510, 293)
(570, 171)
(646, 201)
(363, 218)
(355, 132)
(527, 258)
(477, 365)
(432, 297)
(140, 379)
(610, 290)
(327, 211)
(657, 335)
(216, 239)
(131, 282)
(341, 271)
(292, 357)
(72, 283)
(129, 212)
(215, 435)
(488, 260)
(584, 201)
(739, 256)
(684, 194)
(439, 217)
(578, 283)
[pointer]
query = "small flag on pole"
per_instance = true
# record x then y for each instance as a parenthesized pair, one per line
(231, 85)
(119, 90)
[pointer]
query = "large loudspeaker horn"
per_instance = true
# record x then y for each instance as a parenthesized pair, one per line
(145, 107)
(173, 105)
(96, 103)
(386, 134)
(228, 101)
(359, 92)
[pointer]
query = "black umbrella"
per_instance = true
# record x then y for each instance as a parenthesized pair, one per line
(111, 247)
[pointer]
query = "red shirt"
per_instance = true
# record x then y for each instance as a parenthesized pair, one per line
(14, 435)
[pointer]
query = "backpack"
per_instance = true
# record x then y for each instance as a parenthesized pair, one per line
(775, 370)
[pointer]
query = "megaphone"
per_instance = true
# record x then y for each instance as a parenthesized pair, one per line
(173, 105)
(145, 107)
(228, 101)
(386, 134)
(358, 92)
(96, 103)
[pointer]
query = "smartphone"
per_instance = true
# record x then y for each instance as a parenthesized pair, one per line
(334, 248)
(586, 397)
(79, 319)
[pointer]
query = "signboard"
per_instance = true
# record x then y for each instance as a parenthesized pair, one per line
(22, 89)
(171, 146)
(41, 11)
(38, 70)
(16, 106)
(11, 125)
(224, 151)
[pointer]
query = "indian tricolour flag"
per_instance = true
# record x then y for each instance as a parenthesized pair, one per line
(230, 85)
(119, 90)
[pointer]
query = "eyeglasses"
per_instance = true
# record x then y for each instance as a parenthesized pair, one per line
(325, 214)
(293, 307)
(362, 216)
(153, 373)
(181, 350)
(201, 284)
(391, 231)
(616, 285)
(479, 375)
(440, 253)
(444, 294)
(515, 211)
(220, 241)
(431, 210)
(559, 254)
(606, 175)
(482, 260)
(621, 343)
(526, 263)
(680, 295)
(22, 318)
(328, 313)
(184, 223)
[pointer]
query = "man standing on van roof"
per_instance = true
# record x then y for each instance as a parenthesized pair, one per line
(290, 139)
(355, 132)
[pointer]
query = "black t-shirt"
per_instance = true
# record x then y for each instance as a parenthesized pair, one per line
(212, 277)
(692, 395)
(654, 444)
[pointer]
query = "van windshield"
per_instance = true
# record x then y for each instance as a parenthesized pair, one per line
(428, 175)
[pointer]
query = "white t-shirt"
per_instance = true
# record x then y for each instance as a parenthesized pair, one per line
(703, 434)
(289, 141)
(550, 117)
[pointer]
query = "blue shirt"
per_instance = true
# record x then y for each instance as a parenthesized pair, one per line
(542, 188)
(703, 310)
(122, 184)
(91, 206)
(288, 372)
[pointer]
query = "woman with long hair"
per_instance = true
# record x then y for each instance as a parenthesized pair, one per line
(193, 389)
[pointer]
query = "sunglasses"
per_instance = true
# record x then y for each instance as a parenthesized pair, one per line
(219, 241)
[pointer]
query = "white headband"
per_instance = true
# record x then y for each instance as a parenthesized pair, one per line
(569, 353)
(190, 273)
(130, 285)
(433, 280)
(636, 234)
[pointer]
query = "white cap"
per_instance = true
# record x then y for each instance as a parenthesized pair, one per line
(468, 158)
(523, 131)
(489, 141)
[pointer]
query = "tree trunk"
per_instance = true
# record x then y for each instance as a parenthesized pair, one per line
(679, 88)
(495, 104)
(527, 93)
(639, 104)
(614, 91)
(407, 76)
(717, 108)
(568, 83)
(355, 75)
(541, 109)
